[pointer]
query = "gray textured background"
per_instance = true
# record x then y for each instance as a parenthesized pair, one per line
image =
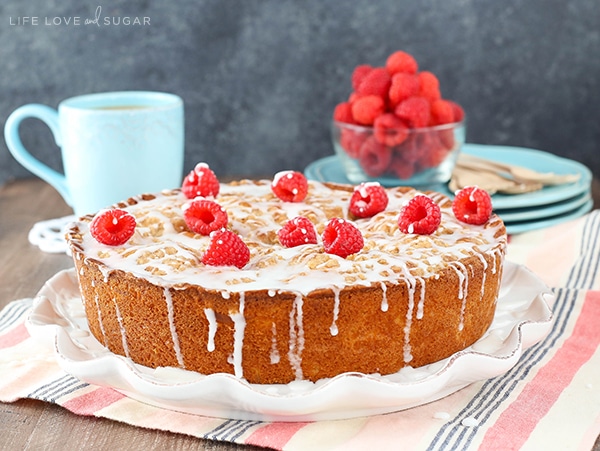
(260, 78)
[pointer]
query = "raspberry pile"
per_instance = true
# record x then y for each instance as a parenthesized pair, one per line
(386, 108)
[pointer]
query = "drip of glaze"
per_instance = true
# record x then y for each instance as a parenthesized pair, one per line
(336, 311)
(239, 326)
(410, 284)
(463, 286)
(274, 355)
(296, 337)
(122, 328)
(104, 339)
(172, 328)
(212, 329)
(421, 303)
(384, 301)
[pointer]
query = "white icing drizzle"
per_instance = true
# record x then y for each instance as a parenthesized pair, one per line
(105, 272)
(239, 325)
(296, 345)
(384, 301)
(463, 286)
(104, 339)
(273, 267)
(122, 328)
(485, 266)
(172, 328)
(336, 311)
(410, 285)
(212, 329)
(274, 354)
(421, 303)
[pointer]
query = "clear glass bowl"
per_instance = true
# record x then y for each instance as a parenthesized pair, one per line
(417, 157)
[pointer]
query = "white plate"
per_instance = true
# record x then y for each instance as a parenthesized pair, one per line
(329, 169)
(523, 318)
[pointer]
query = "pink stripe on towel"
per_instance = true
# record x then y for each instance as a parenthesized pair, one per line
(91, 402)
(274, 435)
(14, 337)
(516, 423)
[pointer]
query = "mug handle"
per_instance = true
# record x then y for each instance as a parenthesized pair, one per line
(11, 134)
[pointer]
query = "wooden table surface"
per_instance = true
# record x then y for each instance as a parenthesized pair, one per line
(29, 424)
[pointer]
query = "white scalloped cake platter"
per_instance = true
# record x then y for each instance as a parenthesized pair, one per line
(523, 317)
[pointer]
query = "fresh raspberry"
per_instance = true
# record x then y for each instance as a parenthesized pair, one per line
(296, 232)
(290, 186)
(226, 249)
(374, 157)
(415, 111)
(201, 181)
(429, 86)
(376, 83)
(359, 73)
(472, 205)
(390, 130)
(403, 86)
(367, 200)
(351, 141)
(353, 97)
(204, 216)
(442, 112)
(366, 109)
(112, 227)
(401, 62)
(342, 238)
(343, 113)
(459, 113)
(421, 215)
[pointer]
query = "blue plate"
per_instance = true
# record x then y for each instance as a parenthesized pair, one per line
(512, 228)
(328, 169)
(544, 211)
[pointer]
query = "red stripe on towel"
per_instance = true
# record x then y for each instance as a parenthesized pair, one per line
(91, 402)
(516, 423)
(14, 337)
(274, 435)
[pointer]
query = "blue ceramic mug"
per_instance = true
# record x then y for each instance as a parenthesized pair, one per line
(114, 145)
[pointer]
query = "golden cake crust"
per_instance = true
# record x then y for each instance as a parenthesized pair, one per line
(412, 316)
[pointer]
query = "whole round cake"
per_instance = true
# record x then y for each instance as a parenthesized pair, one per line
(303, 287)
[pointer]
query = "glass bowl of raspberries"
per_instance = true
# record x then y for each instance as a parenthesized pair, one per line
(396, 128)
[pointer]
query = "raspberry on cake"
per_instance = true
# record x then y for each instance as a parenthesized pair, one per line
(361, 295)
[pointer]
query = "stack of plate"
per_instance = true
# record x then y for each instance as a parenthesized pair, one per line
(520, 212)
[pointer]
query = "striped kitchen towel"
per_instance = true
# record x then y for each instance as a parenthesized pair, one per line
(549, 400)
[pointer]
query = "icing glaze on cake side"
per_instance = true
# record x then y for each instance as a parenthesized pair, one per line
(290, 313)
